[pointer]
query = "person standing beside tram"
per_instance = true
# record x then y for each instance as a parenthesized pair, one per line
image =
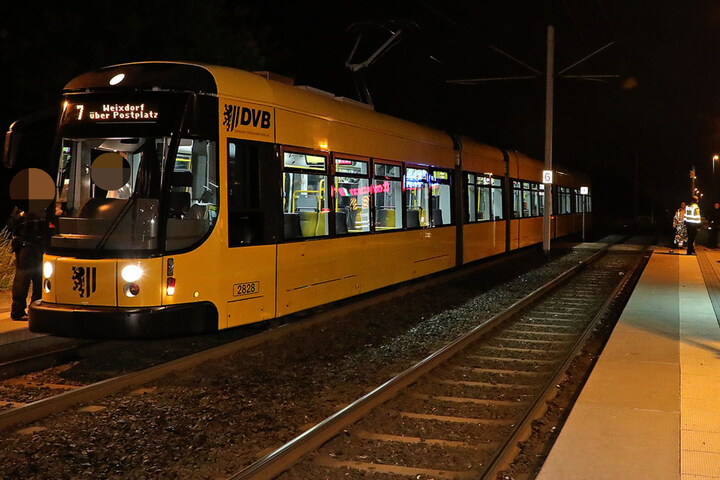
(692, 222)
(29, 231)
(680, 239)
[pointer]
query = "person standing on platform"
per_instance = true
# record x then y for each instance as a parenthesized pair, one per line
(28, 243)
(679, 225)
(692, 222)
(714, 225)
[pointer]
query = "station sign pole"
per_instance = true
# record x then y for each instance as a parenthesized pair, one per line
(548, 136)
(583, 195)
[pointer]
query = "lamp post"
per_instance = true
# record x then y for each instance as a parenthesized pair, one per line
(715, 159)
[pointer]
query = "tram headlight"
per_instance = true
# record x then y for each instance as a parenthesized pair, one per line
(47, 269)
(46, 285)
(131, 273)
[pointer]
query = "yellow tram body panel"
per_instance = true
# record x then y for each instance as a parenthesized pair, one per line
(98, 282)
(531, 231)
(239, 282)
(481, 240)
(315, 272)
(150, 282)
(340, 136)
(248, 285)
(82, 282)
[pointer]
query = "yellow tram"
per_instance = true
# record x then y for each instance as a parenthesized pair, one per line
(246, 198)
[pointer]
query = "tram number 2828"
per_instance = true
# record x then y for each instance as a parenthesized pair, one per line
(247, 288)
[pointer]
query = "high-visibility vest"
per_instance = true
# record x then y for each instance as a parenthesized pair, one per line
(692, 214)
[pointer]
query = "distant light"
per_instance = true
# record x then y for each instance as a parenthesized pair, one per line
(117, 79)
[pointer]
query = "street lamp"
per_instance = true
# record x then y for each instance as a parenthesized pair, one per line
(715, 159)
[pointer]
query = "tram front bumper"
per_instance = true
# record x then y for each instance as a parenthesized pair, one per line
(80, 321)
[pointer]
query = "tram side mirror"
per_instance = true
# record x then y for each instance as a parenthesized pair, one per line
(8, 151)
(29, 142)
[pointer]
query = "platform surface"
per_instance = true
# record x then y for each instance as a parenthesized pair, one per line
(6, 323)
(651, 407)
(10, 330)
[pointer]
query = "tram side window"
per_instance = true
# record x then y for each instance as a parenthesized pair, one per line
(485, 198)
(567, 201)
(440, 195)
(387, 197)
(534, 200)
(193, 207)
(517, 199)
(528, 199)
(483, 205)
(352, 194)
(417, 208)
(564, 199)
(305, 196)
(583, 203)
(496, 196)
(471, 200)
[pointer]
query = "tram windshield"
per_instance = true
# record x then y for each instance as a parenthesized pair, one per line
(109, 194)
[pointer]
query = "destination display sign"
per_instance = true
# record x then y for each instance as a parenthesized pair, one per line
(110, 112)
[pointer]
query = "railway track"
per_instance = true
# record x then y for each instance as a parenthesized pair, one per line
(258, 393)
(460, 412)
(27, 355)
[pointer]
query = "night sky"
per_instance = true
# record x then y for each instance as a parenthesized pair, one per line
(647, 126)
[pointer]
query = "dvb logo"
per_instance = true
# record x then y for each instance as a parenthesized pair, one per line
(245, 116)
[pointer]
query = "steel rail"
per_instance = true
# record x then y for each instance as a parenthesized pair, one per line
(507, 453)
(39, 359)
(287, 455)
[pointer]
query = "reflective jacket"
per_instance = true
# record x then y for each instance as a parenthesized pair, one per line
(692, 214)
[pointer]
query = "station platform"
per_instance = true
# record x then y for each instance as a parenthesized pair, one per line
(10, 330)
(651, 406)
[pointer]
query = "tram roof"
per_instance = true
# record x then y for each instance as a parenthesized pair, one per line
(258, 88)
(251, 87)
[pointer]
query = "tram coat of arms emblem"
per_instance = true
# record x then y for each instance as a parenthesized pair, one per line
(84, 280)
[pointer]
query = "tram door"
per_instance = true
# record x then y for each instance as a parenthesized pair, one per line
(253, 231)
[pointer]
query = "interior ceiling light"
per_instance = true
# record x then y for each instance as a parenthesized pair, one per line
(117, 79)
